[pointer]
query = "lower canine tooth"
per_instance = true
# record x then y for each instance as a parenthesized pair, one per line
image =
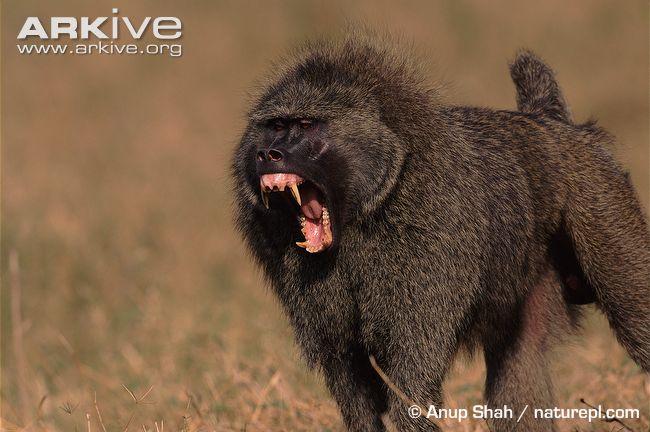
(302, 244)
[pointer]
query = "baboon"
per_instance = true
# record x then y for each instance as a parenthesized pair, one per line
(393, 225)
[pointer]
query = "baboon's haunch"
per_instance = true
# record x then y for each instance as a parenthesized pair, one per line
(392, 225)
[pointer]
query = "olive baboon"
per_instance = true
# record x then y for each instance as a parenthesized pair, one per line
(392, 225)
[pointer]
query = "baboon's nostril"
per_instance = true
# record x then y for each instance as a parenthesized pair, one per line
(260, 155)
(275, 155)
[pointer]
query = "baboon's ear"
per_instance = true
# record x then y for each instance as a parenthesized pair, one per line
(388, 170)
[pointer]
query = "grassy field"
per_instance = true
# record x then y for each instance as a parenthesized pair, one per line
(128, 302)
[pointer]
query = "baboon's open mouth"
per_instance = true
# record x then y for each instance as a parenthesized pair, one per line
(313, 216)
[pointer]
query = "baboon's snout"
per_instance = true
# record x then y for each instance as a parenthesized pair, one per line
(270, 155)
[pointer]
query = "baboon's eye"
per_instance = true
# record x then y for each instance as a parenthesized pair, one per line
(278, 125)
(306, 124)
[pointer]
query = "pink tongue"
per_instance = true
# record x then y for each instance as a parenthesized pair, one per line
(314, 233)
(311, 208)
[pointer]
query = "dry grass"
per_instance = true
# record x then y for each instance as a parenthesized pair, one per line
(138, 307)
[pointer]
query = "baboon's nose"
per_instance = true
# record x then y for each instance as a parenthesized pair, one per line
(271, 155)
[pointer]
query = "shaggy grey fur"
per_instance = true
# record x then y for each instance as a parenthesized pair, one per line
(453, 227)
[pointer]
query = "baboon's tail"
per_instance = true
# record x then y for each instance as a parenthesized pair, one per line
(603, 216)
(537, 90)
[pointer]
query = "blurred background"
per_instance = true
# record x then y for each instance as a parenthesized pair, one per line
(128, 302)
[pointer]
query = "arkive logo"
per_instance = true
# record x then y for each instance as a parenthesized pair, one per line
(82, 28)
(105, 30)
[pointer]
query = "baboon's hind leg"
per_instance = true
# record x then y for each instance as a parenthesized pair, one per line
(612, 243)
(516, 359)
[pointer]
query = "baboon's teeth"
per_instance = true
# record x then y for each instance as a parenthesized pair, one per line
(302, 244)
(265, 198)
(293, 187)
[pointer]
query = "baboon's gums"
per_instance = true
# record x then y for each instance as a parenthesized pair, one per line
(408, 228)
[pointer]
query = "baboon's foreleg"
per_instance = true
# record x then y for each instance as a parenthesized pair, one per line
(417, 364)
(357, 390)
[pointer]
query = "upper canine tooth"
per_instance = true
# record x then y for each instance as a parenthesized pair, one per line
(265, 198)
(296, 194)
